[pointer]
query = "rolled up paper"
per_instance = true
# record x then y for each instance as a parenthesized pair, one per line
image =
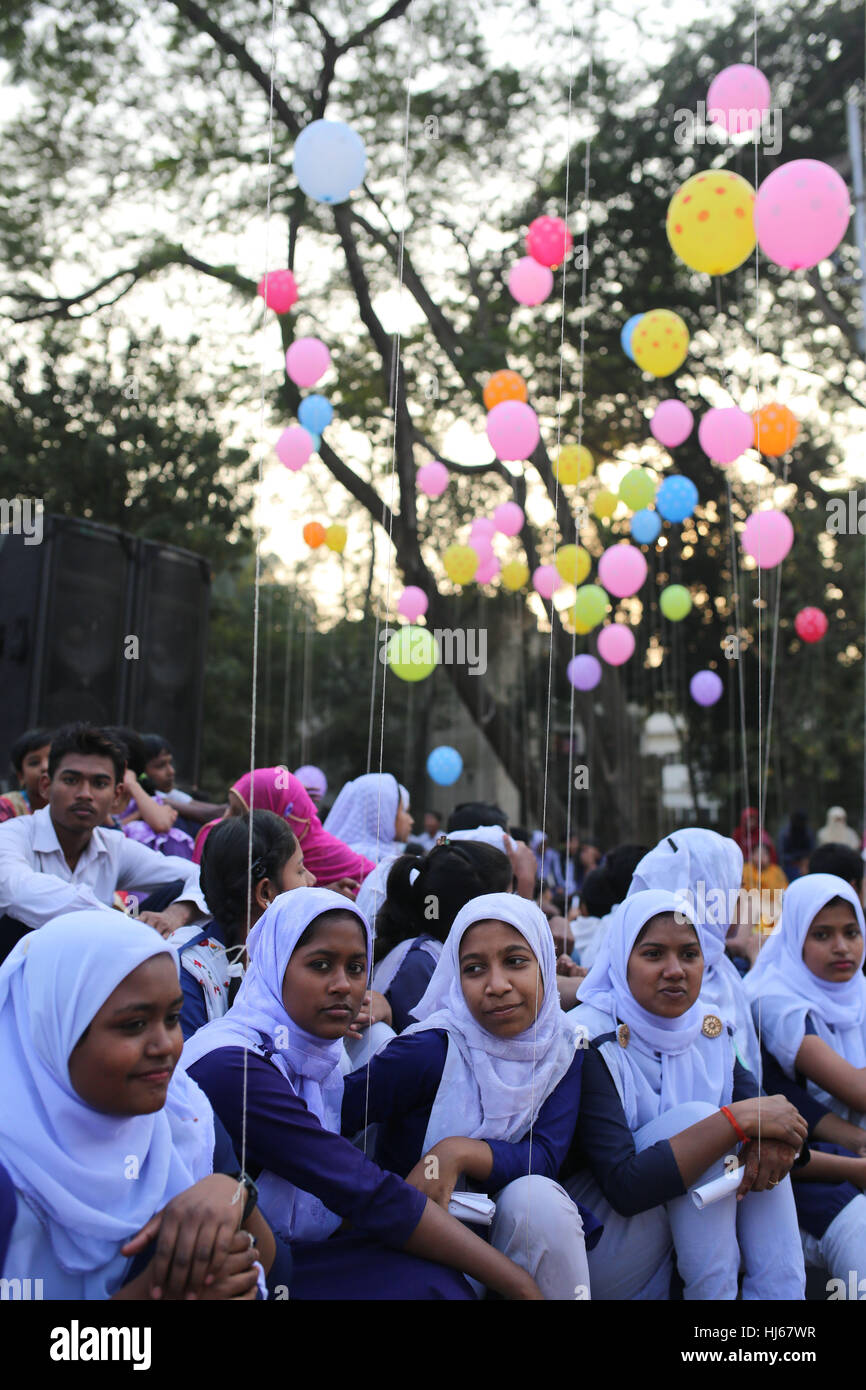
(475, 1207)
(709, 1192)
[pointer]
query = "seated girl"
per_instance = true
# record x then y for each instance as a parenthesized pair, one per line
(275, 789)
(425, 893)
(159, 778)
(809, 1004)
(271, 1068)
(664, 1105)
(485, 1089)
(141, 812)
(101, 1136)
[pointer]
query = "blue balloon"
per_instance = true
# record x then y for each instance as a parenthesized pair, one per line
(645, 526)
(316, 438)
(444, 765)
(315, 413)
(676, 498)
(627, 333)
(330, 160)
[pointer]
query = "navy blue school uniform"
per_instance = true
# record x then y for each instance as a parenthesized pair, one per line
(8, 1212)
(817, 1203)
(285, 1138)
(399, 1094)
(410, 983)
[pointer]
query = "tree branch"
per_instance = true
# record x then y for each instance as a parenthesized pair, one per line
(355, 40)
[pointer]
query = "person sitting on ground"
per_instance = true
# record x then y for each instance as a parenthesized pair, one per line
(159, 777)
(432, 829)
(313, 781)
(796, 843)
(148, 819)
(61, 859)
(766, 878)
(839, 860)
(29, 760)
(837, 831)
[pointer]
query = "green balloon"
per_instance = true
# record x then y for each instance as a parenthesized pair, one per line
(675, 602)
(590, 605)
(637, 489)
(412, 653)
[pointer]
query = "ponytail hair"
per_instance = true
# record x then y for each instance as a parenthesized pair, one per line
(223, 874)
(426, 892)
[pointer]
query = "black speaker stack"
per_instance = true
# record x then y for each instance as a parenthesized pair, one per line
(96, 624)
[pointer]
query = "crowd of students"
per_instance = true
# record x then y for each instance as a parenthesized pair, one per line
(250, 1053)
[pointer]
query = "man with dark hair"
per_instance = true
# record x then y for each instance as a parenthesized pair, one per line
(61, 859)
(470, 814)
(839, 860)
(29, 759)
(432, 830)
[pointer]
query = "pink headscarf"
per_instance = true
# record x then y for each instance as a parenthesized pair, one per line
(275, 789)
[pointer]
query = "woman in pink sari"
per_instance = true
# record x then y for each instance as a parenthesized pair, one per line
(278, 790)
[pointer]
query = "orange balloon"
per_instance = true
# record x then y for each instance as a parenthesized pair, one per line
(504, 386)
(314, 534)
(776, 428)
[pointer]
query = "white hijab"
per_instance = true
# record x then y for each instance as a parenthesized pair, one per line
(364, 815)
(70, 1163)
(692, 1066)
(704, 867)
(784, 992)
(493, 1088)
(258, 1021)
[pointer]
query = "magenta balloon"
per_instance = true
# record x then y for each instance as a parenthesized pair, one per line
(622, 570)
(768, 536)
(432, 478)
(546, 581)
(672, 423)
(488, 569)
(726, 434)
(307, 360)
(413, 603)
(512, 428)
(706, 688)
(802, 211)
(530, 282)
(737, 98)
(279, 290)
(508, 518)
(615, 643)
(294, 447)
(584, 672)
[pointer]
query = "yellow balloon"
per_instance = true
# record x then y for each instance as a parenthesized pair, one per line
(581, 628)
(574, 465)
(514, 575)
(336, 537)
(711, 222)
(660, 342)
(412, 653)
(460, 562)
(604, 504)
(572, 563)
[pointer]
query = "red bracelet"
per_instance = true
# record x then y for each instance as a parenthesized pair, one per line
(738, 1130)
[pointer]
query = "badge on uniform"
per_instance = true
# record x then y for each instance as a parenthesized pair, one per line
(623, 1034)
(711, 1026)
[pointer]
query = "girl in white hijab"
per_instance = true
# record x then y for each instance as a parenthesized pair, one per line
(485, 1087)
(664, 1105)
(371, 816)
(88, 1178)
(808, 997)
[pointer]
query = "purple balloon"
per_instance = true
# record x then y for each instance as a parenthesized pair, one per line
(584, 672)
(706, 688)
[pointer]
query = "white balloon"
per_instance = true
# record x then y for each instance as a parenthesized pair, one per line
(329, 161)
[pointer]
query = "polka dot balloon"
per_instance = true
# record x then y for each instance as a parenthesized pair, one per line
(710, 222)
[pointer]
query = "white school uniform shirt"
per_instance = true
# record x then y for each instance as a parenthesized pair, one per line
(37, 884)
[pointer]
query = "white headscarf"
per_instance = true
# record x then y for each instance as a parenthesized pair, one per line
(258, 1021)
(493, 1088)
(784, 991)
(704, 867)
(487, 835)
(364, 815)
(693, 1066)
(69, 1162)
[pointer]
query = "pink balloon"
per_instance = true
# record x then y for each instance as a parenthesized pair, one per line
(413, 603)
(432, 478)
(584, 672)
(307, 360)
(483, 526)
(768, 536)
(512, 428)
(508, 518)
(801, 213)
(546, 581)
(737, 98)
(530, 282)
(615, 643)
(672, 423)
(622, 570)
(726, 434)
(488, 569)
(548, 240)
(294, 447)
(279, 290)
